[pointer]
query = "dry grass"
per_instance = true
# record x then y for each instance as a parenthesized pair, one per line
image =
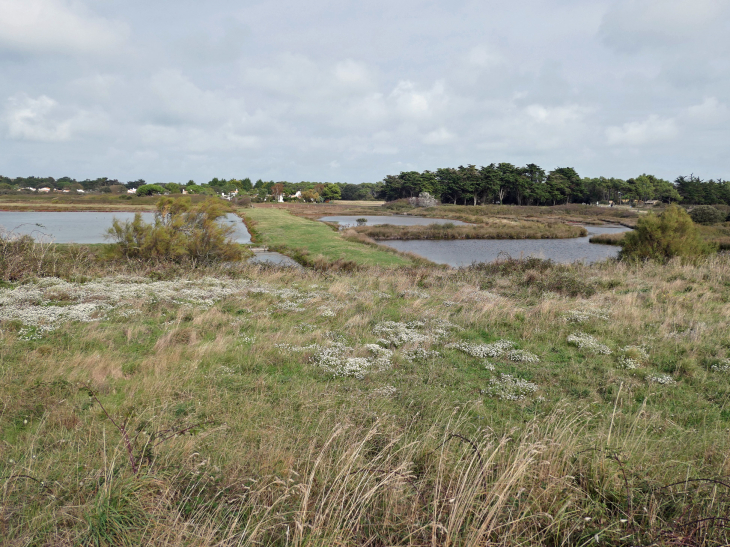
(282, 453)
(492, 229)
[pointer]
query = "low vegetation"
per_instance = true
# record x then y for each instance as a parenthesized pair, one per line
(521, 402)
(490, 229)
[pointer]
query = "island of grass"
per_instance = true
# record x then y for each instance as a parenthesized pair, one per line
(314, 243)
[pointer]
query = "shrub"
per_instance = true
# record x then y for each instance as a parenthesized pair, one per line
(706, 214)
(180, 233)
(664, 236)
(150, 189)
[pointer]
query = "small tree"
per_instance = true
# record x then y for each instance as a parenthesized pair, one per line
(180, 233)
(331, 191)
(665, 236)
(150, 190)
(706, 214)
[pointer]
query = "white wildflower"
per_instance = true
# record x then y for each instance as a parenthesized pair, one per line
(385, 391)
(509, 388)
(586, 341)
(522, 356)
(662, 379)
(722, 366)
(496, 349)
(581, 316)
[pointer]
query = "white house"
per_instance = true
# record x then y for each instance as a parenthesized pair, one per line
(44, 190)
(132, 191)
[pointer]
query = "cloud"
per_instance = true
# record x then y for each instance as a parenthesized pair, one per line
(439, 136)
(178, 100)
(631, 25)
(43, 119)
(710, 112)
(56, 26)
(652, 130)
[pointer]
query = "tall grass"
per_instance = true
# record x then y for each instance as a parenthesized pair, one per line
(239, 437)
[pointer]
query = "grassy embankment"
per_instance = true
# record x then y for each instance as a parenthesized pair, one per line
(269, 407)
(314, 243)
(489, 229)
(92, 202)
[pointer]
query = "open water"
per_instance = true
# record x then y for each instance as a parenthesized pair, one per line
(464, 252)
(87, 227)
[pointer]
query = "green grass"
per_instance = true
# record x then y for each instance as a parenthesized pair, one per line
(310, 241)
(284, 451)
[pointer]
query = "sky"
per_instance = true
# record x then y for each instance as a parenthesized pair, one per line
(346, 91)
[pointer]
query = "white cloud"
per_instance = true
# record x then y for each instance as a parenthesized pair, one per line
(179, 100)
(558, 115)
(439, 136)
(652, 130)
(630, 25)
(709, 112)
(43, 119)
(56, 26)
(412, 103)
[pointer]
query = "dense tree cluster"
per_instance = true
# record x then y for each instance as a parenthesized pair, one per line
(532, 185)
(495, 183)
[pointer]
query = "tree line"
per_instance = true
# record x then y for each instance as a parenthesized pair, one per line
(502, 183)
(505, 183)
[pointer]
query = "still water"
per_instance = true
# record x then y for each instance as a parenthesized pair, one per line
(87, 227)
(395, 220)
(274, 259)
(463, 252)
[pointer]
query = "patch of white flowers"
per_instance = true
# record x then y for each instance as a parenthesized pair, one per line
(385, 391)
(495, 349)
(632, 357)
(662, 379)
(334, 360)
(586, 341)
(581, 316)
(722, 366)
(399, 334)
(522, 356)
(628, 363)
(35, 304)
(509, 388)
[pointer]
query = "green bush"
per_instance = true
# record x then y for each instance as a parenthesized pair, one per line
(180, 233)
(150, 189)
(664, 236)
(706, 214)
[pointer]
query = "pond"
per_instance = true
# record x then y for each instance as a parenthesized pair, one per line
(273, 258)
(87, 227)
(395, 220)
(463, 252)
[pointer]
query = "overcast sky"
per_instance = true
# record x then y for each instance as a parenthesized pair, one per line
(351, 91)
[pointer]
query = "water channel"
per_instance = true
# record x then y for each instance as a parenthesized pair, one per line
(87, 227)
